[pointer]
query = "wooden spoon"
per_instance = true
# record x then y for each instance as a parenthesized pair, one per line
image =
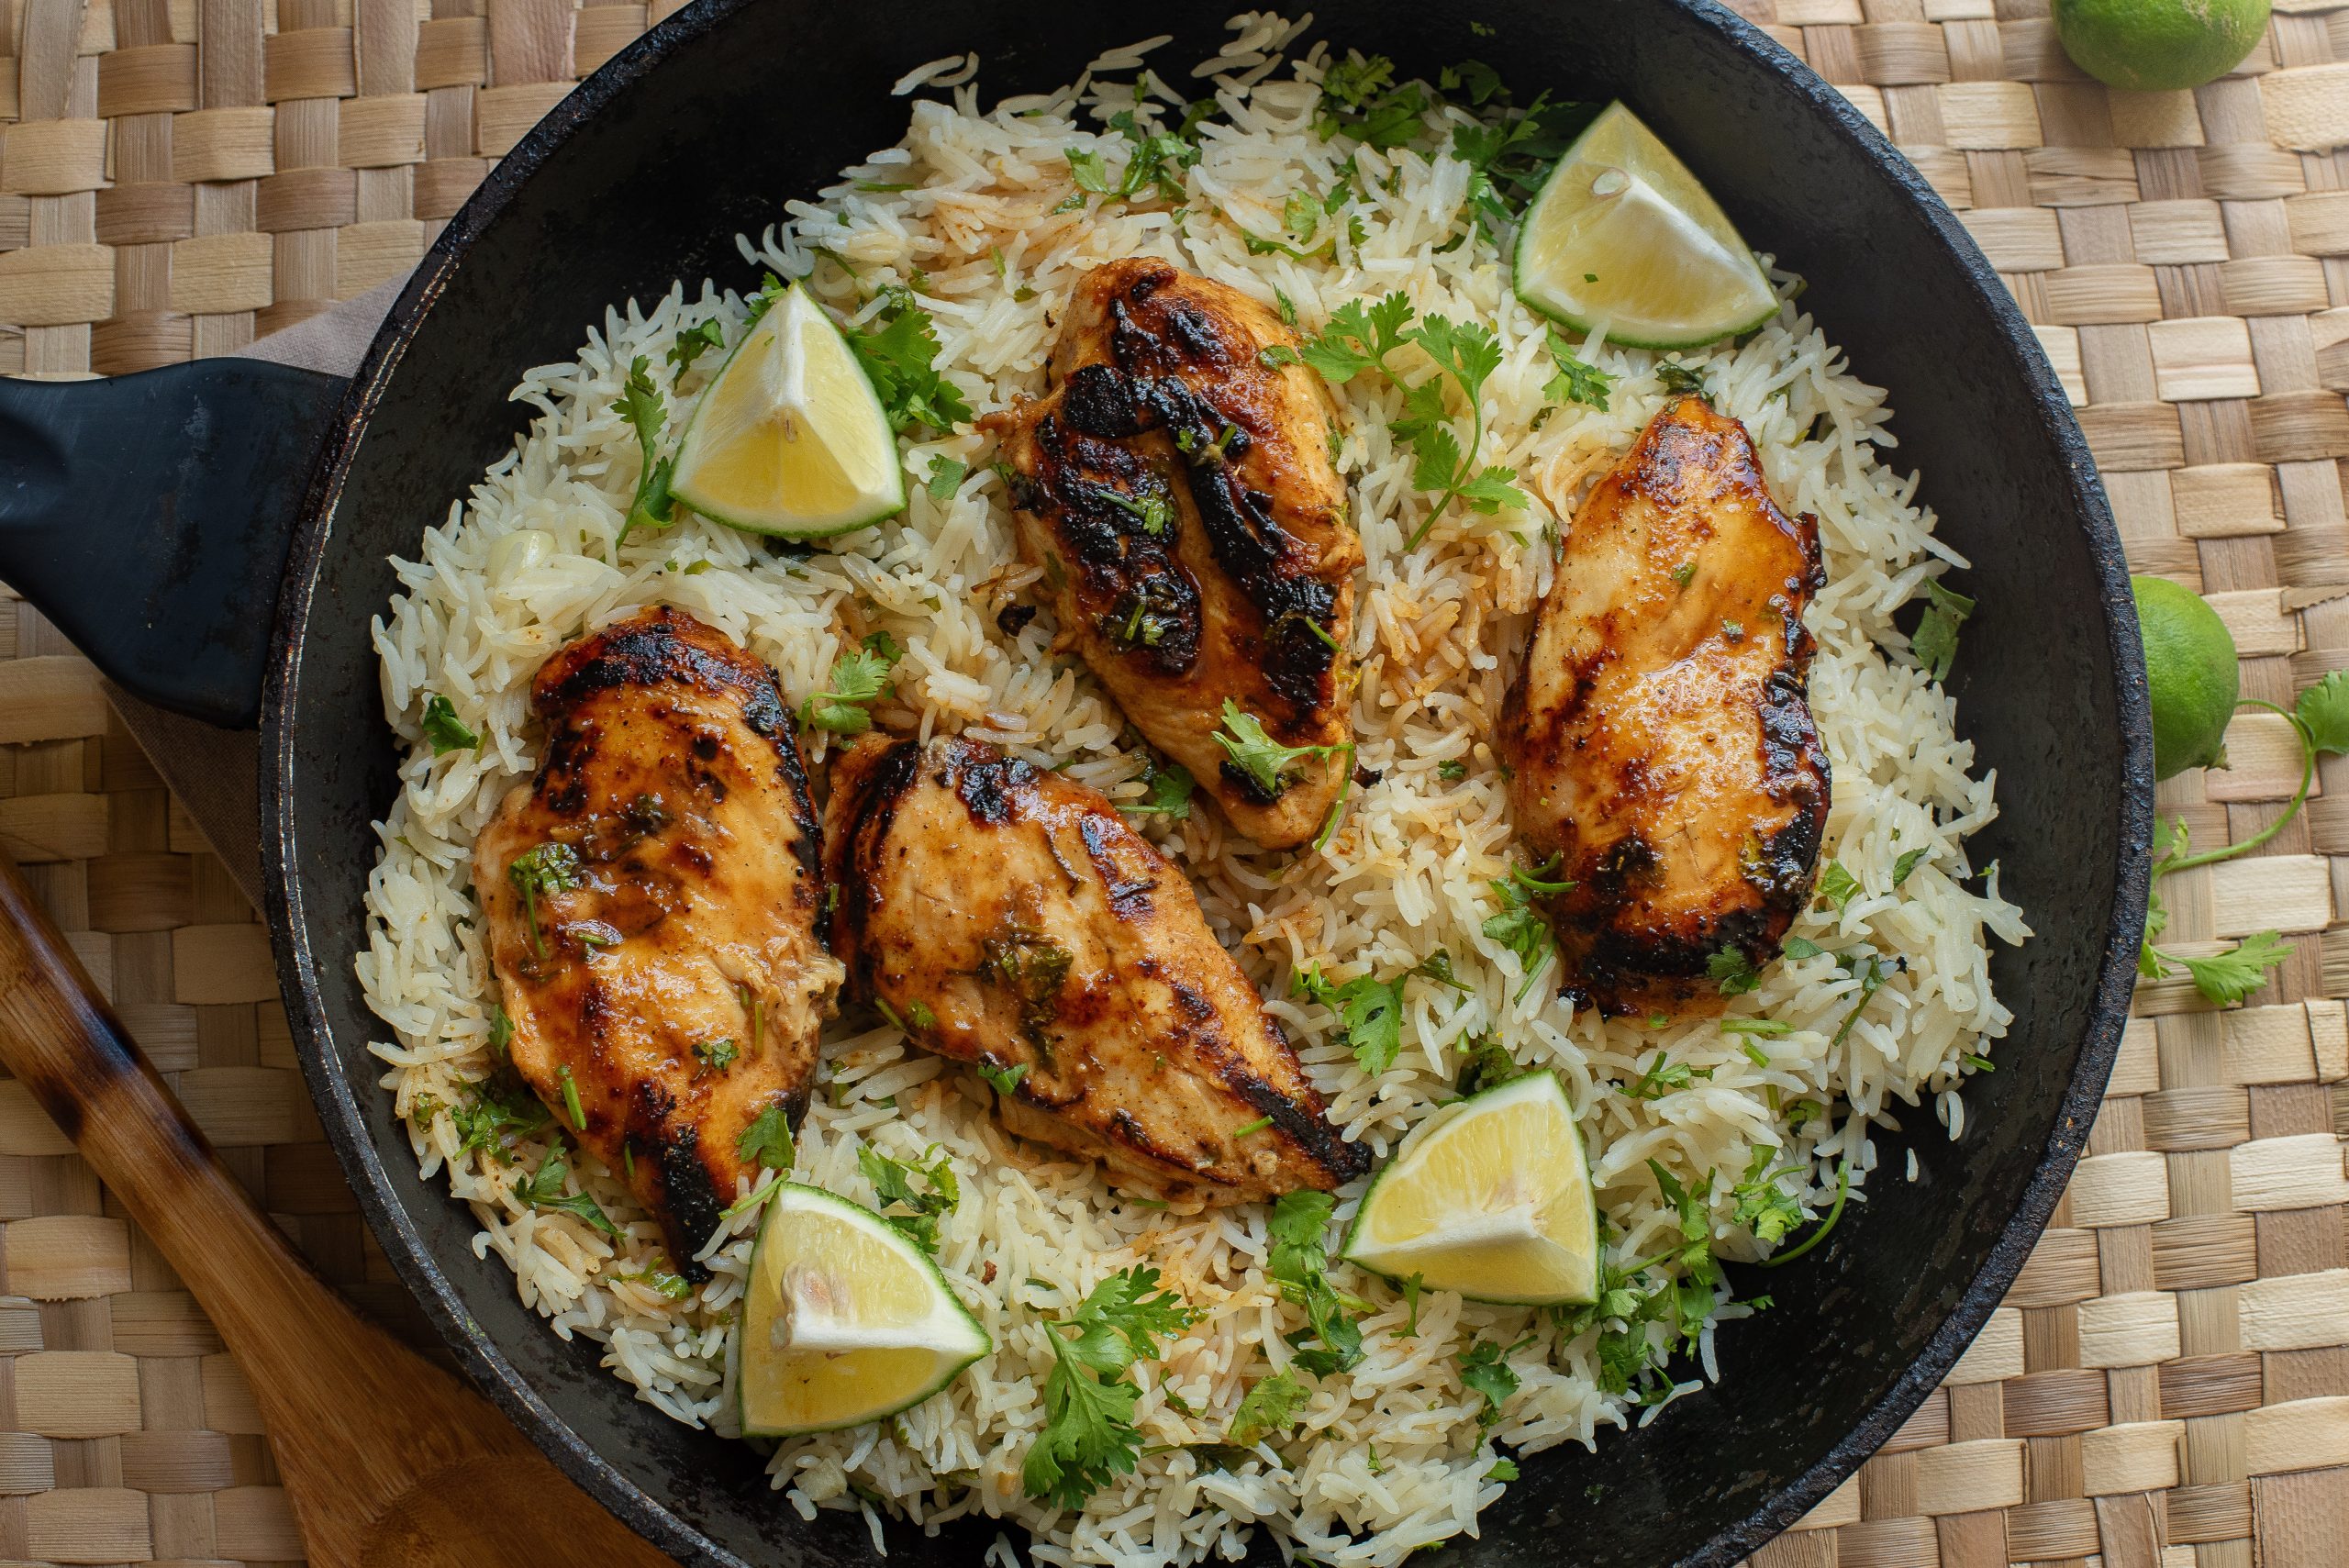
(389, 1463)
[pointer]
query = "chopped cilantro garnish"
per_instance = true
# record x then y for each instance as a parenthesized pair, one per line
(1934, 642)
(543, 1189)
(946, 473)
(767, 1138)
(445, 729)
(640, 405)
(1004, 1080)
(548, 869)
(900, 360)
(694, 341)
(913, 1212)
(858, 680)
(1332, 1340)
(1361, 338)
(1269, 1407)
(1168, 792)
(1576, 382)
(1088, 1438)
(1259, 758)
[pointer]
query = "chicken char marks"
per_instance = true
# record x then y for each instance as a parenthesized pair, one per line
(1011, 919)
(666, 959)
(1659, 729)
(1179, 494)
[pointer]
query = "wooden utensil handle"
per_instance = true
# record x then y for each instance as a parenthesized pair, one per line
(59, 1035)
(388, 1460)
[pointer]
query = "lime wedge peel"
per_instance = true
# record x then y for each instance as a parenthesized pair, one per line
(1622, 238)
(789, 438)
(1490, 1197)
(844, 1319)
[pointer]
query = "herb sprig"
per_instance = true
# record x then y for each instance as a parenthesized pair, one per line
(1332, 1340)
(1089, 1439)
(858, 679)
(1362, 338)
(1370, 1010)
(2319, 721)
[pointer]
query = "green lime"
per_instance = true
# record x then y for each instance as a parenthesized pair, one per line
(2155, 46)
(2191, 677)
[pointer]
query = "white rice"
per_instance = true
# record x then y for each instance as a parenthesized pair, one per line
(1389, 1456)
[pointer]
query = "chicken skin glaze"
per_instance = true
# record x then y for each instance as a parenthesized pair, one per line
(1659, 730)
(1180, 497)
(1011, 920)
(652, 900)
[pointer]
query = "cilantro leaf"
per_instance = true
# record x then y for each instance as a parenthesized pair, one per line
(946, 473)
(1735, 971)
(858, 680)
(1088, 1438)
(1359, 98)
(2323, 713)
(1298, 1261)
(1664, 1077)
(1682, 381)
(1484, 1370)
(893, 1189)
(1575, 382)
(1934, 642)
(2228, 977)
(1169, 793)
(1271, 1405)
(1763, 1206)
(1003, 1080)
(901, 359)
(767, 1138)
(1256, 757)
(641, 406)
(543, 1189)
(1486, 1063)
(1907, 863)
(1519, 927)
(694, 341)
(1370, 1013)
(444, 728)
(549, 868)
(1838, 886)
(496, 1113)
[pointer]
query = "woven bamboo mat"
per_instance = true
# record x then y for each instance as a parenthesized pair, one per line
(2167, 1385)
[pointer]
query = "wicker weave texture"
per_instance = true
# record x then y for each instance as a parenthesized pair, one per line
(2168, 1383)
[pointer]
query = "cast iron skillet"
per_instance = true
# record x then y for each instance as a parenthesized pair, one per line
(701, 130)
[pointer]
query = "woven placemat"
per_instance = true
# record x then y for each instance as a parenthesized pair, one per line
(2167, 1385)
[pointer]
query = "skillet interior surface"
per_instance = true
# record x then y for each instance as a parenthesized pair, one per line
(647, 174)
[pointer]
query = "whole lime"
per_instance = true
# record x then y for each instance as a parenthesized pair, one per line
(2154, 46)
(2191, 676)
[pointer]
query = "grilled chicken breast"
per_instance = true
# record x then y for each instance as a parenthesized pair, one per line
(1661, 742)
(1180, 497)
(653, 899)
(1012, 920)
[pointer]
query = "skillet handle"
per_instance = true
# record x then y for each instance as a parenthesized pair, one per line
(148, 516)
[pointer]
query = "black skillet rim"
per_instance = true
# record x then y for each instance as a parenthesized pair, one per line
(487, 1366)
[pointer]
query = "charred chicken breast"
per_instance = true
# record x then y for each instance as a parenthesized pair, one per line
(1659, 730)
(1180, 497)
(1011, 918)
(653, 901)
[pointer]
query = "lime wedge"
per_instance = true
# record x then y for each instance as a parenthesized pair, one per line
(844, 1321)
(1623, 238)
(789, 438)
(1489, 1196)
